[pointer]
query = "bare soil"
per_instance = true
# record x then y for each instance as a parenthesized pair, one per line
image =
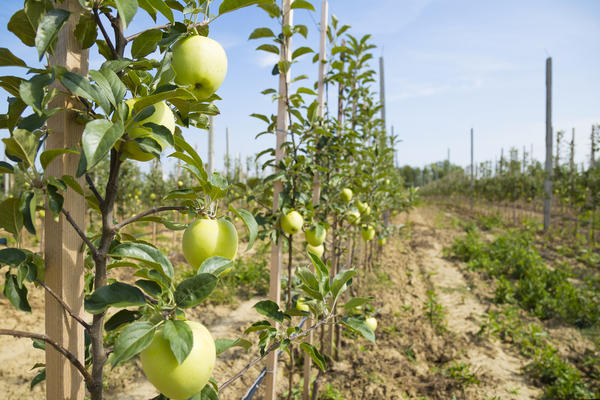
(409, 360)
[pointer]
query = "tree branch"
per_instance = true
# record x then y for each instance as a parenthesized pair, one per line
(81, 234)
(151, 211)
(93, 188)
(64, 305)
(271, 348)
(165, 26)
(105, 34)
(70, 356)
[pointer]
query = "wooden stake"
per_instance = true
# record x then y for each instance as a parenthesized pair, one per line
(64, 259)
(316, 181)
(548, 179)
(282, 126)
(472, 171)
(211, 144)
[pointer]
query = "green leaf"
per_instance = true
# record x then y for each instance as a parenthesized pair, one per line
(6, 168)
(39, 378)
(302, 4)
(192, 291)
(20, 25)
(163, 8)
(357, 301)
(225, 344)
(271, 48)
(301, 51)
(340, 280)
(127, 10)
(48, 155)
(132, 340)
(322, 270)
(16, 294)
(359, 325)
(55, 199)
(99, 137)
(232, 5)
(150, 287)
(270, 309)
(261, 33)
(11, 219)
(12, 256)
(86, 31)
(120, 318)
(147, 254)
(22, 145)
(250, 223)
(8, 59)
(314, 354)
(48, 29)
(146, 43)
(81, 86)
(111, 86)
(116, 294)
(27, 208)
(180, 337)
(216, 265)
(32, 91)
(308, 278)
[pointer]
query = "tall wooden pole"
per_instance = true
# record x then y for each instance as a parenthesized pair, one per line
(211, 144)
(227, 158)
(316, 182)
(64, 258)
(282, 126)
(382, 92)
(472, 171)
(548, 179)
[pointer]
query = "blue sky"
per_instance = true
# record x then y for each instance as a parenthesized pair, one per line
(450, 66)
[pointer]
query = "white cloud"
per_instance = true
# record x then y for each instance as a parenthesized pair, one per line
(415, 90)
(265, 60)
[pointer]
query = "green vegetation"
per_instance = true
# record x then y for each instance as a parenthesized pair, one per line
(523, 278)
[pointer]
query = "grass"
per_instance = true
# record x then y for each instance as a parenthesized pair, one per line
(524, 279)
(560, 379)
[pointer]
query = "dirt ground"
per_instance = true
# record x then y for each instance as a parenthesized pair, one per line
(408, 361)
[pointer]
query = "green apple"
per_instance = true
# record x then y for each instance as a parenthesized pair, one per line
(180, 381)
(382, 241)
(292, 222)
(42, 213)
(316, 250)
(361, 206)
(207, 238)
(201, 63)
(353, 216)
(180, 183)
(315, 235)
(162, 116)
(347, 195)
(367, 233)
(301, 305)
(371, 323)
(152, 196)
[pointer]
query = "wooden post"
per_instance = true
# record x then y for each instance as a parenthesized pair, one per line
(548, 179)
(282, 126)
(472, 171)
(64, 259)
(306, 390)
(227, 159)
(211, 144)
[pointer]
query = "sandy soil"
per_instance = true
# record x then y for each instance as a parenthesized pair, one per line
(408, 360)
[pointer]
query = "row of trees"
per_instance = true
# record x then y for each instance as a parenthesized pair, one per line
(132, 111)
